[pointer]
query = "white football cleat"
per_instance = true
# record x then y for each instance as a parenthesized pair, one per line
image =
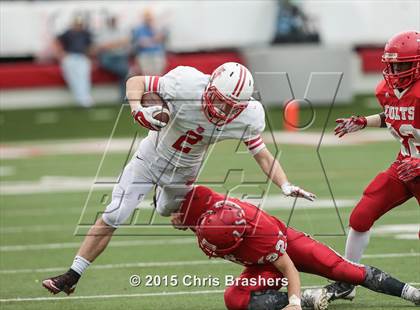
(316, 299)
(416, 298)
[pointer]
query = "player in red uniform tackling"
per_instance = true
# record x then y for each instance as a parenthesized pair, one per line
(399, 96)
(270, 251)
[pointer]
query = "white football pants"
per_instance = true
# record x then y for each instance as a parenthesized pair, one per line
(145, 170)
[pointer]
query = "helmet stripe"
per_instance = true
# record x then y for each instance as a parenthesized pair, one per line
(242, 84)
(239, 81)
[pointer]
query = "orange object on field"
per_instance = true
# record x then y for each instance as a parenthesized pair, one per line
(291, 115)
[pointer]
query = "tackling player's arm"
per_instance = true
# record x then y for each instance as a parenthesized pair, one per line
(285, 265)
(275, 172)
(356, 123)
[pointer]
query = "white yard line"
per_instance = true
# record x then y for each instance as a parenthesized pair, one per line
(102, 115)
(46, 118)
(404, 231)
(312, 138)
(50, 184)
(391, 255)
(64, 184)
(34, 228)
(396, 228)
(111, 296)
(71, 245)
(406, 237)
(118, 266)
(29, 149)
(6, 171)
(176, 264)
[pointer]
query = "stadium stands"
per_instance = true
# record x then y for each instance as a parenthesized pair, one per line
(34, 75)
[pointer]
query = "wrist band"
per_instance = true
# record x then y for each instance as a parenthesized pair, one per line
(284, 186)
(383, 117)
(294, 300)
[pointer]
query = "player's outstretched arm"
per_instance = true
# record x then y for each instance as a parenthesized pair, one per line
(356, 123)
(285, 265)
(275, 172)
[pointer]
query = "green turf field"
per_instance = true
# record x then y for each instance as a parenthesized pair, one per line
(37, 229)
(72, 121)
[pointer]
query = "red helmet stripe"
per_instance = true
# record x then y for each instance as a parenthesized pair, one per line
(242, 84)
(239, 81)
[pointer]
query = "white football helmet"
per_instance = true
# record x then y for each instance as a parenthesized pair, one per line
(228, 92)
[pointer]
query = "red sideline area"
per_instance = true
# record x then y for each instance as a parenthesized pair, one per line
(30, 74)
(371, 58)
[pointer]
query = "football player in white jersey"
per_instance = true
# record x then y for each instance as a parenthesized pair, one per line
(204, 109)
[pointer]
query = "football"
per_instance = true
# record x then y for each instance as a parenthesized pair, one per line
(153, 99)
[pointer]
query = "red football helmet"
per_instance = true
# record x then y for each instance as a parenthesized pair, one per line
(221, 229)
(227, 94)
(402, 59)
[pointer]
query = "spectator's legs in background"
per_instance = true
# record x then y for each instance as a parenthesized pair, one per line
(152, 63)
(76, 70)
(117, 64)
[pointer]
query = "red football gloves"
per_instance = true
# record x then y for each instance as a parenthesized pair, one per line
(409, 169)
(144, 116)
(352, 124)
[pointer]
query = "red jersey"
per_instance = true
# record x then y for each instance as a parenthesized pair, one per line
(402, 111)
(265, 239)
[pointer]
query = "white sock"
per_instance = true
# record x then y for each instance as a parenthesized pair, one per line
(80, 264)
(356, 244)
(410, 293)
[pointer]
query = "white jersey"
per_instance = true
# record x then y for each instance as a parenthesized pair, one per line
(185, 139)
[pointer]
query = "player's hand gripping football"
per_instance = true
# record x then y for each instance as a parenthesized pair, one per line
(145, 117)
(295, 191)
(351, 124)
(409, 169)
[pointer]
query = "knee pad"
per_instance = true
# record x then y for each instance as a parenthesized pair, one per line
(118, 211)
(336, 267)
(163, 210)
(113, 216)
(362, 218)
(349, 272)
(236, 298)
(166, 204)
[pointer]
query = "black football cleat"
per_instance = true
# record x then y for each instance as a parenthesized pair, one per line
(63, 283)
(340, 290)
